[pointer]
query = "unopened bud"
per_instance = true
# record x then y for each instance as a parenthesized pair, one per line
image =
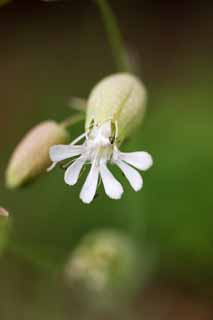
(120, 98)
(31, 156)
(104, 262)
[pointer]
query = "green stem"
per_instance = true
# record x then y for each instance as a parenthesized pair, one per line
(114, 36)
(73, 120)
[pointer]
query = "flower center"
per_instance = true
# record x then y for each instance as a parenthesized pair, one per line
(99, 143)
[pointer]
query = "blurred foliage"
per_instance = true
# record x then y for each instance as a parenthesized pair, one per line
(171, 216)
(175, 218)
(4, 232)
(3, 2)
(42, 65)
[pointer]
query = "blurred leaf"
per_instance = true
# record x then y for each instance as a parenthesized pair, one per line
(3, 2)
(4, 229)
(171, 217)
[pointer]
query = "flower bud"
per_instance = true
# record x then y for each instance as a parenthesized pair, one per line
(31, 156)
(104, 262)
(120, 98)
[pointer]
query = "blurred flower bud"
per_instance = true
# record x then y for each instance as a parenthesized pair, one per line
(104, 262)
(120, 98)
(78, 104)
(31, 157)
(4, 228)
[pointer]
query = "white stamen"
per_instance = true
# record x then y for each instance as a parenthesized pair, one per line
(51, 167)
(83, 135)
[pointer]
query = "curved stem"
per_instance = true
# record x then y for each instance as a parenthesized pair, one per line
(114, 35)
(73, 120)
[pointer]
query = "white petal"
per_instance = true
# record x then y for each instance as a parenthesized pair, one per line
(73, 171)
(131, 174)
(112, 187)
(141, 160)
(89, 188)
(61, 152)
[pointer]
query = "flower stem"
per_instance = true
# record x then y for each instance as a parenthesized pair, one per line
(119, 51)
(73, 120)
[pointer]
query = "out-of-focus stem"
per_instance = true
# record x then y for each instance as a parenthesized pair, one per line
(119, 51)
(73, 120)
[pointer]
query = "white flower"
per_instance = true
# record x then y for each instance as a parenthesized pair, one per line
(98, 149)
(115, 107)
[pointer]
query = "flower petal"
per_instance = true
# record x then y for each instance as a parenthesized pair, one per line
(89, 188)
(61, 152)
(112, 187)
(73, 171)
(141, 160)
(131, 174)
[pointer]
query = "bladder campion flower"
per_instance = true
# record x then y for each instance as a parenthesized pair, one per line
(115, 107)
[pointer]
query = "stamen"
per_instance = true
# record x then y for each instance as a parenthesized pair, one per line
(52, 166)
(83, 135)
